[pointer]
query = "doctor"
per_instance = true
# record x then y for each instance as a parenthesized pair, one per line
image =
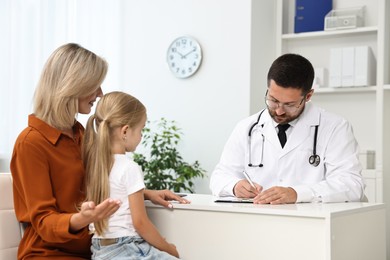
(318, 162)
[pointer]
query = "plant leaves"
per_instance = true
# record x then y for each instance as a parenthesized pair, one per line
(163, 165)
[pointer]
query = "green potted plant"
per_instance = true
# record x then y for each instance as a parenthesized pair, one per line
(164, 167)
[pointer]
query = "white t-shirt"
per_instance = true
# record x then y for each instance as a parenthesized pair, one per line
(126, 177)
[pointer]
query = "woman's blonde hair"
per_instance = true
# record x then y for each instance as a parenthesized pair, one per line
(114, 110)
(71, 72)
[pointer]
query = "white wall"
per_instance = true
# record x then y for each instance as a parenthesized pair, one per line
(209, 104)
(133, 35)
(31, 30)
(263, 51)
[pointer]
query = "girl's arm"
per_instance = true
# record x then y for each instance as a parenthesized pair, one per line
(145, 227)
(163, 197)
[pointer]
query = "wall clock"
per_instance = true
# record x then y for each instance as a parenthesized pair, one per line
(184, 56)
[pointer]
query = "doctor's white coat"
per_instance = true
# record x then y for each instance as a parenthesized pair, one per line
(336, 179)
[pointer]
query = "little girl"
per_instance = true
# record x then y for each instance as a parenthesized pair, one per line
(114, 129)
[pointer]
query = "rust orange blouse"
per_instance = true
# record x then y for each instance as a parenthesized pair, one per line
(48, 175)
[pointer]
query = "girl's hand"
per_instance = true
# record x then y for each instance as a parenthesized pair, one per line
(163, 197)
(173, 250)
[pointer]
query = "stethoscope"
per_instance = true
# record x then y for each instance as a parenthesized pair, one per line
(314, 159)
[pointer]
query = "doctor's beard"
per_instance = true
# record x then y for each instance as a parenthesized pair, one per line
(285, 118)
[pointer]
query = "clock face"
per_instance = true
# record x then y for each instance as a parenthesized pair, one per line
(184, 56)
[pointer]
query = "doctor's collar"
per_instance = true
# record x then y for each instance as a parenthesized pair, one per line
(291, 123)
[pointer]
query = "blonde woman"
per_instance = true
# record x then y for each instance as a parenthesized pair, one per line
(46, 164)
(114, 129)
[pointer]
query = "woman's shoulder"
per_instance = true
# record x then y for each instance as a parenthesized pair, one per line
(38, 131)
(29, 135)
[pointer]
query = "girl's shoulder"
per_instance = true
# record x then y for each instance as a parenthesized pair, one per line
(125, 170)
(124, 161)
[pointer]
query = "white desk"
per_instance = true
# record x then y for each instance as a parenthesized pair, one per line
(313, 231)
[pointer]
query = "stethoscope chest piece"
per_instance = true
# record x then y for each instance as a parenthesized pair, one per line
(314, 160)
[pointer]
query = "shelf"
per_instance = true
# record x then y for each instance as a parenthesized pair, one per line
(346, 89)
(327, 34)
(369, 173)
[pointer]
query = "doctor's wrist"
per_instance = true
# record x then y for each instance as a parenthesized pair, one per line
(292, 195)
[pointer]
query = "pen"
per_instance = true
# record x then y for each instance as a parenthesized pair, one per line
(249, 179)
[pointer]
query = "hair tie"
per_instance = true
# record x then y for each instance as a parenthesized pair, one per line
(95, 123)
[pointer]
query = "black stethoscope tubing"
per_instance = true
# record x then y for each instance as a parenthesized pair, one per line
(314, 159)
(250, 141)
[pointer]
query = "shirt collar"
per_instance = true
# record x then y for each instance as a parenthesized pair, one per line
(292, 123)
(50, 133)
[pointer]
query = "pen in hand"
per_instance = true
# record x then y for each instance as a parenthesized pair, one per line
(249, 180)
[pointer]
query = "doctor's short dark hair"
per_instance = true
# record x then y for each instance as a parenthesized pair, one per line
(292, 71)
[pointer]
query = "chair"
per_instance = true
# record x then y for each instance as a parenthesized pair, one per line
(10, 231)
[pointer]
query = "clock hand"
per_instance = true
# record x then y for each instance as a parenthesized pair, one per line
(185, 55)
(182, 56)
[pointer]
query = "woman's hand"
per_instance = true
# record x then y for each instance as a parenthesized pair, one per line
(90, 212)
(163, 197)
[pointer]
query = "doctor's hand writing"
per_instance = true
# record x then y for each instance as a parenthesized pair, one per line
(276, 195)
(243, 189)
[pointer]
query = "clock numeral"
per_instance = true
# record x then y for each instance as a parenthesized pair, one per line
(173, 65)
(184, 41)
(177, 70)
(189, 69)
(171, 57)
(183, 72)
(173, 49)
(194, 64)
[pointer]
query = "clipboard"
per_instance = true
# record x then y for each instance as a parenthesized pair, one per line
(233, 200)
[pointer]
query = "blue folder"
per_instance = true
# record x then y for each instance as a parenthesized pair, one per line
(310, 15)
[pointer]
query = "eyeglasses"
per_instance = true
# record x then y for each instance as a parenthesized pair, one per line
(289, 107)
